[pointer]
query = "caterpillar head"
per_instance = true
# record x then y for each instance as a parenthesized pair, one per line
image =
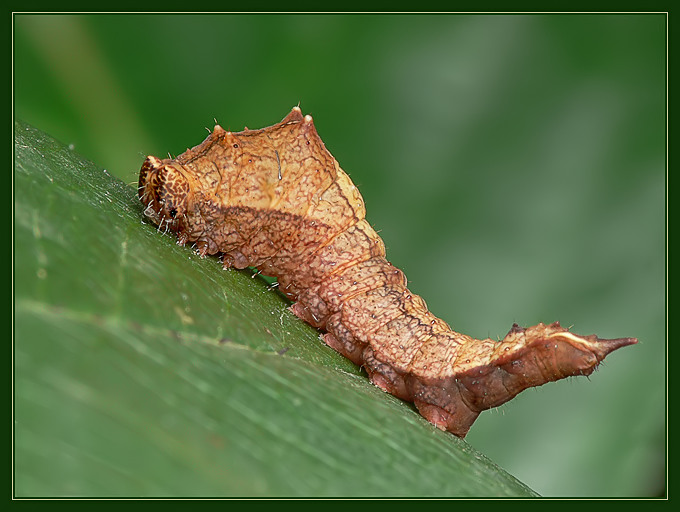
(165, 191)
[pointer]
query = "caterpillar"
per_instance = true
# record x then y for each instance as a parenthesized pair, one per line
(276, 199)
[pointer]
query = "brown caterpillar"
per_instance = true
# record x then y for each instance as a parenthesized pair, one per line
(276, 199)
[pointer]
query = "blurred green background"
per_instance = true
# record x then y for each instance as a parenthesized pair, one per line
(513, 164)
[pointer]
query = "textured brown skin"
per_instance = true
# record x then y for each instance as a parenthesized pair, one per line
(277, 200)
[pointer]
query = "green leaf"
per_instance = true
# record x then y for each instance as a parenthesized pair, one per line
(144, 370)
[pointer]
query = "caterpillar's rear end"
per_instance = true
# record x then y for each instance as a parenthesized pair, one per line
(277, 200)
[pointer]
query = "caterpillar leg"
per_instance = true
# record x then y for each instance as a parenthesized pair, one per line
(347, 348)
(385, 377)
(457, 423)
(299, 311)
(435, 415)
(313, 311)
(227, 261)
(340, 339)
